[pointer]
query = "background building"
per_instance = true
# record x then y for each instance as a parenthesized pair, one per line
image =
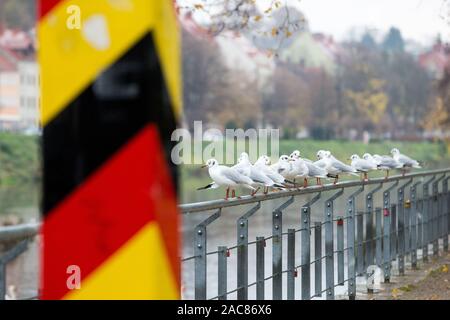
(29, 96)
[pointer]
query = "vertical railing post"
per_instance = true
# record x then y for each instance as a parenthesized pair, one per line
(379, 237)
(387, 212)
(393, 213)
(426, 218)
(419, 223)
(407, 228)
(306, 254)
(317, 259)
(329, 244)
(277, 259)
(436, 214)
(292, 273)
(351, 266)
(277, 250)
(401, 226)
(340, 250)
(414, 224)
(441, 212)
(222, 272)
(242, 252)
(360, 243)
(260, 274)
(386, 243)
(446, 213)
(200, 246)
(306, 247)
(369, 252)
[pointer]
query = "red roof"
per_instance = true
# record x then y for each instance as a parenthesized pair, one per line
(15, 39)
(437, 59)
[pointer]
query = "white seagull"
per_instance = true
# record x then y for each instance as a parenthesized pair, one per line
(245, 167)
(362, 165)
(299, 169)
(263, 164)
(404, 161)
(383, 162)
(225, 176)
(333, 166)
(282, 166)
(314, 171)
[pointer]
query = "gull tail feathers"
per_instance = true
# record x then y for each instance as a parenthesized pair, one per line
(212, 185)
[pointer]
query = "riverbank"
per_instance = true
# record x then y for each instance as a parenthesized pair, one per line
(19, 159)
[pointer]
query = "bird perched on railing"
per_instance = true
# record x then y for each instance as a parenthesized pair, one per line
(227, 177)
(245, 167)
(405, 161)
(332, 165)
(282, 166)
(299, 169)
(384, 162)
(362, 165)
(263, 164)
(314, 171)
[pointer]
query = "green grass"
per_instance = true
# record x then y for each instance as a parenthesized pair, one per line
(19, 159)
(431, 155)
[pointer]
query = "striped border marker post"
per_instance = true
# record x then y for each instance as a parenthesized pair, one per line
(111, 96)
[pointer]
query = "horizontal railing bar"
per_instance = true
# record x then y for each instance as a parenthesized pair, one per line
(18, 232)
(217, 204)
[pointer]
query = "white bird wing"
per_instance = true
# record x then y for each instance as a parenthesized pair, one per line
(299, 168)
(342, 166)
(388, 162)
(320, 163)
(234, 175)
(258, 176)
(405, 160)
(275, 176)
(282, 168)
(242, 168)
(362, 165)
(316, 171)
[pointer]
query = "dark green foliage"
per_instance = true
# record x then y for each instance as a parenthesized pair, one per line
(19, 158)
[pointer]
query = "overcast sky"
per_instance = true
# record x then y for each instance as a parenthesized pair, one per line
(420, 20)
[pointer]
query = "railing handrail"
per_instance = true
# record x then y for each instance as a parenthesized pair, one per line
(18, 232)
(221, 203)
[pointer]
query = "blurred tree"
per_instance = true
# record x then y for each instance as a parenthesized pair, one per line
(212, 92)
(368, 41)
(439, 117)
(18, 14)
(368, 106)
(409, 89)
(288, 104)
(393, 41)
(269, 23)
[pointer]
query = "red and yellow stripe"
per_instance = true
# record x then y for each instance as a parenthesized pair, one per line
(109, 200)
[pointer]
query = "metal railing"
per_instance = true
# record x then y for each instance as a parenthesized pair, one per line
(14, 241)
(381, 234)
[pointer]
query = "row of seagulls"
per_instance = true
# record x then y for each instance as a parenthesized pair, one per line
(284, 173)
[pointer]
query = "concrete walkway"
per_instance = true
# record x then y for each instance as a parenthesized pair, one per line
(430, 282)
